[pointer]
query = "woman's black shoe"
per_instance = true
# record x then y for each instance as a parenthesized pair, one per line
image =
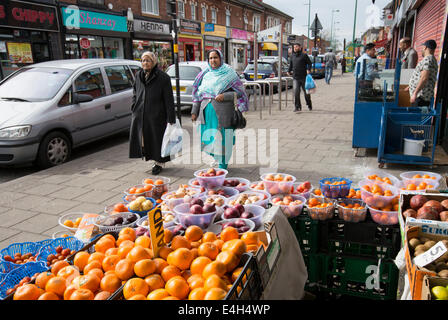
(156, 169)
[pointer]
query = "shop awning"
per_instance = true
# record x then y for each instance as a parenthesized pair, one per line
(269, 46)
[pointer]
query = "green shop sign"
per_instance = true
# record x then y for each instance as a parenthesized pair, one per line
(74, 18)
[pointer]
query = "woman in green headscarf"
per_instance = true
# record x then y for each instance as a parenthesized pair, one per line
(216, 92)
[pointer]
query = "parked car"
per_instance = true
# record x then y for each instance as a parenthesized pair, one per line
(49, 108)
(318, 71)
(187, 73)
(265, 70)
(272, 58)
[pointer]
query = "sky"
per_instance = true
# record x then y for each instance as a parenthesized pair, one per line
(343, 20)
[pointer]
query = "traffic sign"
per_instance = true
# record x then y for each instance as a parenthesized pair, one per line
(316, 24)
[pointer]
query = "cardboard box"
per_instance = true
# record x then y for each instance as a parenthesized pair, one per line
(268, 254)
(404, 100)
(429, 283)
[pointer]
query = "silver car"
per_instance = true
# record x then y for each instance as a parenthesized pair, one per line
(51, 107)
(187, 73)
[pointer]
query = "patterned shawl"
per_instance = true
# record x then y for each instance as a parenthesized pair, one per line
(211, 82)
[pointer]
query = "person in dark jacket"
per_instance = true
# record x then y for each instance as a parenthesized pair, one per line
(152, 108)
(299, 67)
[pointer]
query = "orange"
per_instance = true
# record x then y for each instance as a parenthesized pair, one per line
(195, 244)
(167, 235)
(135, 286)
(48, 296)
(209, 237)
(108, 236)
(196, 283)
(125, 243)
(215, 267)
(92, 265)
(215, 294)
(180, 242)
(236, 273)
(27, 292)
(193, 233)
(237, 246)
(158, 294)
(411, 186)
(138, 253)
(218, 243)
(198, 264)
(96, 256)
(42, 279)
(170, 271)
(124, 269)
(229, 259)
(110, 283)
(89, 281)
(97, 272)
(128, 231)
(229, 233)
(208, 249)
(68, 291)
(123, 251)
(81, 259)
(110, 262)
(137, 297)
(154, 281)
(165, 251)
(195, 253)
(160, 264)
(143, 241)
(250, 238)
(58, 266)
(68, 272)
(252, 248)
(56, 285)
(111, 251)
(82, 294)
(177, 287)
(103, 244)
(159, 182)
(144, 268)
(197, 294)
(214, 281)
(102, 295)
(148, 181)
(186, 274)
(125, 238)
(170, 298)
(180, 258)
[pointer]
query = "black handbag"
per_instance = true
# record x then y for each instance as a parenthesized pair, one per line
(238, 120)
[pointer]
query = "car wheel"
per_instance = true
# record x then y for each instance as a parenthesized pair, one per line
(55, 149)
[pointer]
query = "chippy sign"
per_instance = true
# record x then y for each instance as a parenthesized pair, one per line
(156, 230)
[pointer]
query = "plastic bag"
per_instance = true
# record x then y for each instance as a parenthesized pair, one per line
(172, 140)
(309, 83)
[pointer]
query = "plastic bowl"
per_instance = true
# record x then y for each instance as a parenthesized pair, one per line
(263, 201)
(217, 227)
(243, 186)
(158, 189)
(70, 216)
(410, 175)
(351, 214)
(257, 186)
(144, 213)
(105, 229)
(376, 200)
(276, 187)
(60, 234)
(384, 217)
(173, 202)
(187, 219)
(304, 194)
(228, 191)
(430, 184)
(321, 213)
(290, 210)
(223, 199)
(382, 174)
(194, 183)
(166, 224)
(22, 248)
(110, 208)
(132, 196)
(211, 182)
(335, 191)
(257, 211)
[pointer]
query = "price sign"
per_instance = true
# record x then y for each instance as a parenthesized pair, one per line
(86, 227)
(156, 230)
(431, 255)
(84, 43)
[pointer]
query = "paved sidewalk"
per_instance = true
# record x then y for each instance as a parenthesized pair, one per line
(311, 146)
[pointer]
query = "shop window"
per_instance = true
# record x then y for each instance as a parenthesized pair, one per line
(150, 6)
(66, 99)
(94, 49)
(161, 49)
(193, 11)
(91, 82)
(181, 9)
(113, 48)
(119, 78)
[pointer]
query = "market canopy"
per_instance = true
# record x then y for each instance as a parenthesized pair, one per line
(269, 46)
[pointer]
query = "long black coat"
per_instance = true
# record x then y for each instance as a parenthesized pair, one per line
(152, 108)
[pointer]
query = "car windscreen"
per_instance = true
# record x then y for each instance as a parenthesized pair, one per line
(262, 67)
(185, 72)
(34, 84)
(318, 59)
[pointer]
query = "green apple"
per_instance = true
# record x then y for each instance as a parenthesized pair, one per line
(440, 293)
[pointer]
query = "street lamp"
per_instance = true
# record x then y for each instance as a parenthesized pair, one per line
(333, 32)
(332, 16)
(308, 36)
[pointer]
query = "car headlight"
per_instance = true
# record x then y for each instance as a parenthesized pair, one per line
(16, 132)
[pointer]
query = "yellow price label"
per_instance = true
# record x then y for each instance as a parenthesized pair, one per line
(176, 48)
(156, 230)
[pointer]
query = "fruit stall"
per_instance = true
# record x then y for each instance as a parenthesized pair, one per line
(220, 237)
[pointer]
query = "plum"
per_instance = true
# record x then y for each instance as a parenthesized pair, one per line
(239, 223)
(196, 209)
(418, 201)
(247, 215)
(243, 229)
(209, 207)
(227, 224)
(197, 201)
(230, 213)
(139, 231)
(434, 204)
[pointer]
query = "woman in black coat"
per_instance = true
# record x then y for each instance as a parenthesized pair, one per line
(152, 108)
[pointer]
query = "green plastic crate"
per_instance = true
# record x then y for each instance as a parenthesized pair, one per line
(307, 233)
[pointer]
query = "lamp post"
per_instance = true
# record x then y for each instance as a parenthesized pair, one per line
(333, 32)
(354, 25)
(332, 16)
(308, 36)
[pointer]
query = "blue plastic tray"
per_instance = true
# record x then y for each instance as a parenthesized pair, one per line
(22, 248)
(16, 275)
(71, 243)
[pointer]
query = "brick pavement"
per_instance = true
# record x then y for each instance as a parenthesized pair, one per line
(311, 146)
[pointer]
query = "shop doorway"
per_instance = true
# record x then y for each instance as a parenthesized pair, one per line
(189, 52)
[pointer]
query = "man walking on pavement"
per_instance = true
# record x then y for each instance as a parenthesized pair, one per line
(299, 67)
(409, 56)
(330, 63)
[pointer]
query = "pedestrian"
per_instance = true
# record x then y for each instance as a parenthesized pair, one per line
(343, 64)
(424, 78)
(299, 67)
(214, 104)
(152, 108)
(367, 66)
(409, 56)
(330, 64)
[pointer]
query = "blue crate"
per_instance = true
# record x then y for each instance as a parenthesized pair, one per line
(335, 191)
(71, 243)
(16, 275)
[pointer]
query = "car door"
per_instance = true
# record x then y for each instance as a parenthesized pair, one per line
(120, 80)
(90, 119)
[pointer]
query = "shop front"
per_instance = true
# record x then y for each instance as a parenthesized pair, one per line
(239, 49)
(92, 34)
(214, 38)
(154, 36)
(190, 41)
(28, 34)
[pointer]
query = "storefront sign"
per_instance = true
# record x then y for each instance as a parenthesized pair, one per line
(25, 15)
(20, 52)
(210, 29)
(84, 43)
(269, 35)
(189, 26)
(151, 27)
(238, 34)
(82, 19)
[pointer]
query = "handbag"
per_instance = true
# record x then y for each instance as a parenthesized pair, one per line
(238, 120)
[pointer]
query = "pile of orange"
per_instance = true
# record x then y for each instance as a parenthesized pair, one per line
(72, 224)
(196, 266)
(317, 192)
(379, 179)
(378, 190)
(336, 183)
(422, 186)
(285, 201)
(352, 206)
(151, 181)
(316, 203)
(354, 194)
(140, 190)
(278, 177)
(425, 176)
